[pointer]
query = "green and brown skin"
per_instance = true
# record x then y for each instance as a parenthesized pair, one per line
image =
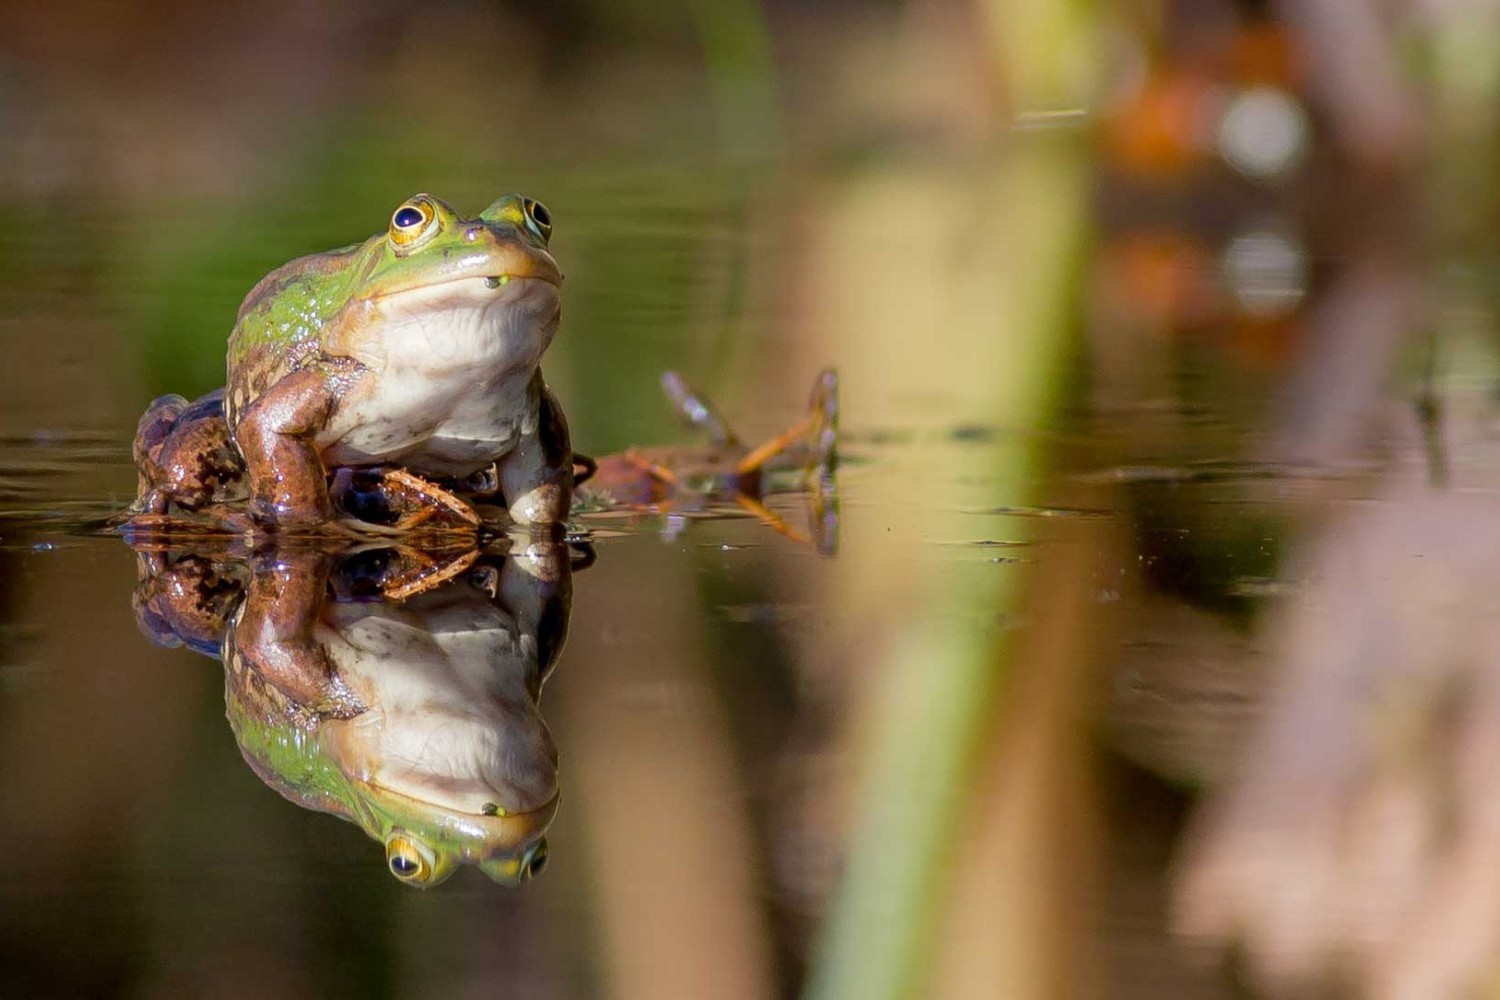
(183, 451)
(417, 721)
(419, 348)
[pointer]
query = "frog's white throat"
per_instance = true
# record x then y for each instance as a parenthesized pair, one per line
(448, 386)
(452, 721)
(465, 324)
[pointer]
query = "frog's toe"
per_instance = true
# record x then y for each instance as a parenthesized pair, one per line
(164, 409)
(154, 625)
(153, 502)
(280, 516)
(484, 483)
(361, 495)
(487, 579)
(824, 405)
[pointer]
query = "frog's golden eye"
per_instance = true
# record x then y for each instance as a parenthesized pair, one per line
(408, 860)
(538, 218)
(536, 860)
(411, 222)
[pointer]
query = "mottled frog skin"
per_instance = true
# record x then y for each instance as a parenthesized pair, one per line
(184, 453)
(419, 348)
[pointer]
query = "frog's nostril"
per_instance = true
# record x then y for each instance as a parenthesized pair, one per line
(471, 234)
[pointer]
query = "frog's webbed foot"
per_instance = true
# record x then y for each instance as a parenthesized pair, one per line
(771, 519)
(823, 408)
(818, 431)
(482, 483)
(653, 471)
(395, 501)
(584, 467)
(422, 570)
(698, 410)
(427, 500)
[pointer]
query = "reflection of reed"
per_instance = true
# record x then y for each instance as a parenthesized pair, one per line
(1362, 830)
(1028, 859)
(978, 331)
(672, 856)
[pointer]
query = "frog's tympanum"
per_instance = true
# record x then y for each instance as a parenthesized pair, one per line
(418, 349)
(415, 719)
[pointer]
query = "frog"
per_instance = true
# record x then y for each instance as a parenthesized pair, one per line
(419, 348)
(683, 480)
(415, 719)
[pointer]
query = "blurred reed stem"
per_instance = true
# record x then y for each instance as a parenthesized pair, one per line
(938, 691)
(741, 75)
(938, 694)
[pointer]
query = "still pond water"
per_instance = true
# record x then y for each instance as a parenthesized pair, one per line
(1089, 468)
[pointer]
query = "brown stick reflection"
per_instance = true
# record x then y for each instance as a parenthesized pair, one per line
(1027, 866)
(1365, 826)
(648, 753)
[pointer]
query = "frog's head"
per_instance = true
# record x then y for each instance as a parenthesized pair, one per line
(437, 289)
(452, 784)
(451, 791)
(425, 842)
(430, 250)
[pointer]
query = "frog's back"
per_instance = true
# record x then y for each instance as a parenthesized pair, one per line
(280, 325)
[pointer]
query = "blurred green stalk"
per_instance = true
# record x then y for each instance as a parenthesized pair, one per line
(939, 691)
(741, 74)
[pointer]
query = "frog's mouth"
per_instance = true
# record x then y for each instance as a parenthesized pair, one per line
(479, 286)
(378, 807)
(455, 322)
(501, 280)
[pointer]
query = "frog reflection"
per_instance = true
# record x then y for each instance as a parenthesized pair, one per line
(416, 720)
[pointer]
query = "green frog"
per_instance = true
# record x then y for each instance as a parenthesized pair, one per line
(416, 719)
(419, 348)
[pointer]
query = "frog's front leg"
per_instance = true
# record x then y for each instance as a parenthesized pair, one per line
(276, 632)
(288, 483)
(536, 477)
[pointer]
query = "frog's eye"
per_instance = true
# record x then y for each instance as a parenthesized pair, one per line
(535, 860)
(408, 860)
(538, 219)
(411, 222)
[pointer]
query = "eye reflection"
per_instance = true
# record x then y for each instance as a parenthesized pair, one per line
(538, 860)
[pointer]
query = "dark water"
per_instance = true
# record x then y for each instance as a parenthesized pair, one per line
(1158, 618)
